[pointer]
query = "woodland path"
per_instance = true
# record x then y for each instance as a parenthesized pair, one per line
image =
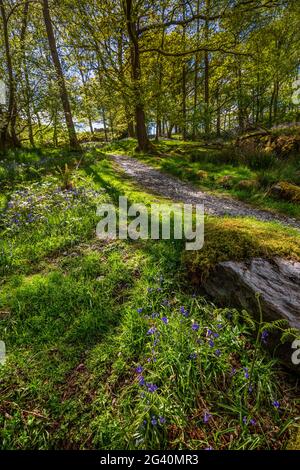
(177, 190)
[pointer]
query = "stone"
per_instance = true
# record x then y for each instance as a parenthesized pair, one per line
(202, 174)
(277, 281)
(286, 191)
(225, 181)
(246, 184)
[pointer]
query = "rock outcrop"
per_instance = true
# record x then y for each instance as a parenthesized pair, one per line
(277, 281)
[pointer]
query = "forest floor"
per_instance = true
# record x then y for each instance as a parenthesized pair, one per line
(109, 343)
(177, 190)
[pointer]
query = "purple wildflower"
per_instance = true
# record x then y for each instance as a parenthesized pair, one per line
(139, 369)
(211, 343)
(139, 310)
(151, 387)
(141, 381)
(162, 420)
(218, 352)
(276, 404)
(206, 417)
(195, 326)
(264, 336)
(153, 421)
(193, 355)
(151, 330)
(165, 320)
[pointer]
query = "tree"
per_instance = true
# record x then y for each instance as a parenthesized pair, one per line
(60, 77)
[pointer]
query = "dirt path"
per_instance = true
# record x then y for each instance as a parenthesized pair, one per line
(177, 190)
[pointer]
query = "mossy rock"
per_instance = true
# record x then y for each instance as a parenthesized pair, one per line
(235, 239)
(287, 191)
(226, 181)
(294, 442)
(203, 175)
(246, 184)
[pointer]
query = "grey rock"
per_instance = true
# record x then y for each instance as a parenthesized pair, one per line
(277, 281)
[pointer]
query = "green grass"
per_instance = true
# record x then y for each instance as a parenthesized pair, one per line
(186, 159)
(75, 314)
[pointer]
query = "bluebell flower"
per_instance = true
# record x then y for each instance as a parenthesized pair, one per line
(165, 320)
(139, 310)
(151, 330)
(139, 369)
(218, 352)
(162, 420)
(151, 387)
(245, 420)
(276, 404)
(195, 326)
(206, 417)
(193, 355)
(246, 372)
(252, 422)
(153, 421)
(264, 336)
(211, 343)
(184, 312)
(141, 381)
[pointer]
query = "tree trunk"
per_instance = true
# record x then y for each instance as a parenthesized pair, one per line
(184, 91)
(196, 76)
(26, 78)
(104, 125)
(141, 131)
(206, 73)
(60, 77)
(8, 132)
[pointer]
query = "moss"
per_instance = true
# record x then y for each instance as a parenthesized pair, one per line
(238, 239)
(294, 443)
(202, 174)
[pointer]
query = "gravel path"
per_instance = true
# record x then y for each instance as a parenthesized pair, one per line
(177, 190)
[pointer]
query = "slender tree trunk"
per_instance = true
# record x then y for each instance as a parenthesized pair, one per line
(104, 125)
(196, 76)
(131, 129)
(55, 138)
(141, 131)
(60, 77)
(27, 93)
(184, 79)
(160, 80)
(206, 73)
(8, 130)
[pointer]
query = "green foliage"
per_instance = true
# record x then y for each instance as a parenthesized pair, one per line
(76, 314)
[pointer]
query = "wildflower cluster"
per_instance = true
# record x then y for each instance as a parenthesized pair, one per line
(40, 201)
(193, 350)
